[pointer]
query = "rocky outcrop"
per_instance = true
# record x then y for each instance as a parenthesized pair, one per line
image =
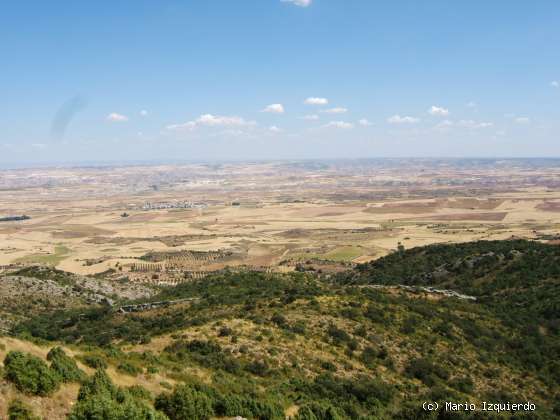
(425, 289)
(147, 306)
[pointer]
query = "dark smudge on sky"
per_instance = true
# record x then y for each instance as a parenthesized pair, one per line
(65, 115)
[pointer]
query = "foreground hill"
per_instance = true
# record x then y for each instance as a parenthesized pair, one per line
(374, 342)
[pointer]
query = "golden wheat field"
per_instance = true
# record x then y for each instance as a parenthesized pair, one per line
(268, 216)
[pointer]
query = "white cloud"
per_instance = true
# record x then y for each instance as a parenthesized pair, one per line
(470, 124)
(114, 117)
(215, 120)
(300, 3)
(144, 113)
(312, 117)
(522, 120)
(337, 110)
(473, 124)
(185, 126)
(209, 120)
(364, 122)
(274, 109)
(274, 129)
(339, 124)
(397, 119)
(471, 104)
(436, 110)
(316, 101)
(555, 84)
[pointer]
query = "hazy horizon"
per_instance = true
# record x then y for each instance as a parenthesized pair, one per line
(179, 162)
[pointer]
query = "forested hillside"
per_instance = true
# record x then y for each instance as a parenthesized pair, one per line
(309, 346)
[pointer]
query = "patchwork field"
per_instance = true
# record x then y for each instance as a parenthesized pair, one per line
(266, 216)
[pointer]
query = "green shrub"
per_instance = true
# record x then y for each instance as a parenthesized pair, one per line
(369, 356)
(225, 332)
(207, 353)
(338, 335)
(231, 405)
(185, 403)
(319, 411)
(129, 369)
(99, 398)
(65, 366)
(95, 362)
(98, 384)
(103, 407)
(30, 374)
(464, 384)
(258, 368)
(426, 371)
(375, 314)
(55, 352)
(166, 385)
(328, 365)
(152, 369)
(351, 313)
(361, 331)
(139, 392)
(279, 320)
(264, 409)
(409, 325)
(17, 410)
(298, 327)
(439, 392)
(351, 395)
(444, 329)
(352, 345)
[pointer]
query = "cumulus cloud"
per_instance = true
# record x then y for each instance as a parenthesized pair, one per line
(274, 109)
(144, 113)
(397, 119)
(470, 124)
(555, 84)
(274, 129)
(522, 120)
(316, 101)
(473, 124)
(439, 111)
(364, 122)
(300, 3)
(209, 120)
(337, 110)
(312, 117)
(114, 117)
(339, 124)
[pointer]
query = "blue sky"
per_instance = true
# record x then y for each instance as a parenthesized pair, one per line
(269, 79)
